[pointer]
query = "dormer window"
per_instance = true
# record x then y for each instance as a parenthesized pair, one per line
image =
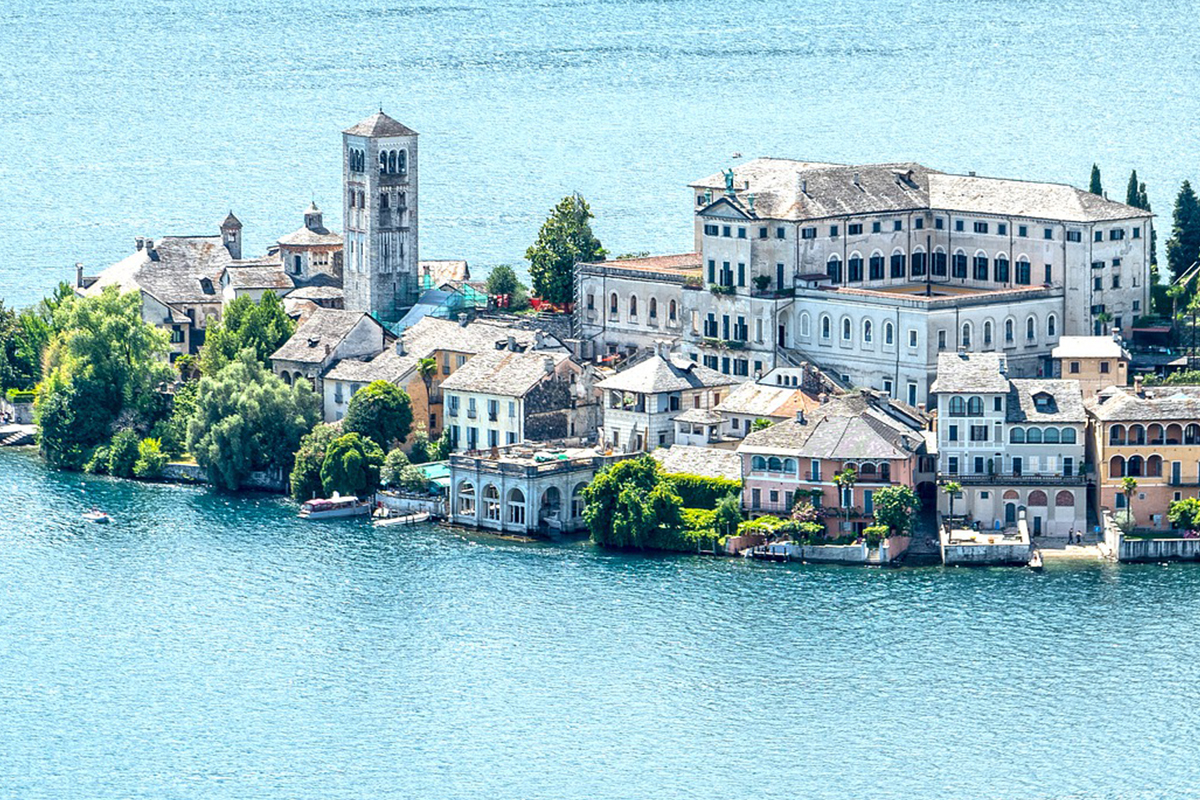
(1044, 402)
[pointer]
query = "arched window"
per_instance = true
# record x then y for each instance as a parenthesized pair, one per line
(1016, 436)
(1155, 434)
(1051, 326)
(868, 334)
(1033, 436)
(1134, 466)
(758, 464)
(383, 162)
(1068, 436)
(1050, 436)
(633, 305)
(889, 333)
(1154, 467)
(1116, 467)
(876, 266)
(653, 308)
(1030, 330)
(958, 265)
(966, 335)
(1174, 433)
(789, 466)
(402, 161)
(826, 325)
(1037, 498)
(987, 333)
(846, 332)
(577, 501)
(774, 464)
(612, 304)
(466, 498)
(805, 325)
(1116, 434)
(834, 269)
(975, 407)
(491, 503)
(1064, 499)
(392, 162)
(516, 507)
(1008, 331)
(1137, 434)
(854, 271)
(866, 469)
(885, 471)
(1191, 434)
(958, 406)
(671, 311)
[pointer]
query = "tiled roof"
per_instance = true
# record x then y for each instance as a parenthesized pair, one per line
(1160, 403)
(312, 292)
(324, 329)
(258, 277)
(766, 400)
(504, 372)
(183, 269)
(307, 237)
(681, 459)
(700, 416)
(665, 373)
(1088, 347)
(380, 124)
(681, 263)
(970, 372)
(1066, 401)
(846, 427)
(798, 190)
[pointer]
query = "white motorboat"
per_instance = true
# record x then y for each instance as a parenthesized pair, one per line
(97, 516)
(334, 507)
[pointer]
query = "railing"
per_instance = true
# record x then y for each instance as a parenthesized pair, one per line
(1022, 479)
(773, 293)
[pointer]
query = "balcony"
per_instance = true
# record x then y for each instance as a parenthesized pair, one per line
(1017, 479)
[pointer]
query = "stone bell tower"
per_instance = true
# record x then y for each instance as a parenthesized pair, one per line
(379, 201)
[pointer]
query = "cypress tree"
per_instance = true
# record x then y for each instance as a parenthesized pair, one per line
(1095, 187)
(1132, 197)
(1144, 204)
(1183, 248)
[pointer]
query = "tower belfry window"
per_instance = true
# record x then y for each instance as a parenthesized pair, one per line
(402, 161)
(382, 163)
(392, 162)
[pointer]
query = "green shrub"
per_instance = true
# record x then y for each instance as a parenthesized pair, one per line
(97, 463)
(875, 534)
(696, 520)
(122, 454)
(16, 396)
(150, 459)
(698, 491)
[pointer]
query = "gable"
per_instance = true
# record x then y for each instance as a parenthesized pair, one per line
(723, 209)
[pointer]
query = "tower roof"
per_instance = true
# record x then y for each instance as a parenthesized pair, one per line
(312, 208)
(380, 124)
(231, 222)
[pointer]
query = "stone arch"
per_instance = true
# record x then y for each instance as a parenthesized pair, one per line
(491, 503)
(1012, 494)
(1037, 498)
(516, 507)
(1116, 467)
(1064, 499)
(465, 499)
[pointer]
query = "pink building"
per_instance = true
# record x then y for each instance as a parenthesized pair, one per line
(881, 439)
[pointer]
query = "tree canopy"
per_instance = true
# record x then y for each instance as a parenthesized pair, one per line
(305, 480)
(380, 411)
(1183, 248)
(1095, 186)
(1185, 514)
(565, 239)
(262, 327)
(247, 419)
(351, 467)
(631, 505)
(503, 280)
(896, 508)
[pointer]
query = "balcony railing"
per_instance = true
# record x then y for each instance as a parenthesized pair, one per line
(1015, 479)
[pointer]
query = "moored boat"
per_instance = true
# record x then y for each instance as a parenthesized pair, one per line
(1035, 561)
(334, 507)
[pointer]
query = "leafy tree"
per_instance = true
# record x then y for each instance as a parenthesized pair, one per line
(412, 479)
(72, 419)
(395, 462)
(845, 480)
(565, 240)
(503, 280)
(952, 489)
(305, 480)
(419, 452)
(759, 424)
(123, 454)
(896, 508)
(1185, 514)
(631, 505)
(247, 419)
(728, 513)
(172, 431)
(351, 467)
(1183, 248)
(1132, 191)
(151, 459)
(188, 367)
(441, 449)
(262, 327)
(382, 412)
(1095, 187)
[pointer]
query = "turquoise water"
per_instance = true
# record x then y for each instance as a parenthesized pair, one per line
(147, 117)
(206, 646)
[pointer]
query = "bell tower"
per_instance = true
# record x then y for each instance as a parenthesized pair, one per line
(379, 203)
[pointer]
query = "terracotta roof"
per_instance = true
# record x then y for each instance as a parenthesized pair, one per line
(663, 373)
(847, 427)
(380, 124)
(767, 400)
(445, 270)
(682, 459)
(681, 263)
(970, 372)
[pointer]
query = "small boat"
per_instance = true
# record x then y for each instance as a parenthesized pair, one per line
(334, 507)
(1035, 561)
(97, 516)
(406, 519)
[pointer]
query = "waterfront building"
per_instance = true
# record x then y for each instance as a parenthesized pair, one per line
(326, 337)
(504, 397)
(524, 488)
(641, 402)
(871, 271)
(1014, 445)
(881, 440)
(1097, 362)
(450, 343)
(379, 175)
(1153, 436)
(774, 397)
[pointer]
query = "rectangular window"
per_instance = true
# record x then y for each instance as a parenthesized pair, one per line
(711, 230)
(511, 438)
(876, 227)
(939, 223)
(912, 337)
(741, 233)
(897, 265)
(1048, 234)
(1137, 233)
(939, 264)
(808, 233)
(512, 409)
(781, 233)
(979, 433)
(833, 231)
(981, 227)
(1116, 234)
(854, 229)
(1116, 262)
(1097, 283)
(712, 271)
(1049, 274)
(919, 223)
(1104, 367)
(1024, 278)
(898, 225)
(958, 225)
(959, 267)
(1002, 228)
(493, 438)
(762, 233)
(997, 404)
(1000, 270)
(918, 264)
(978, 465)
(981, 268)
(1116, 281)
(726, 231)
(1074, 236)
(741, 275)
(1098, 236)
(912, 394)
(493, 409)
(941, 340)
(952, 465)
(876, 268)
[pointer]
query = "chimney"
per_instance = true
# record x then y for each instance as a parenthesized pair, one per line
(512, 344)
(823, 398)
(139, 242)
(800, 415)
(463, 320)
(150, 251)
(662, 347)
(750, 199)
(1138, 389)
(971, 174)
(548, 365)
(858, 180)
(962, 352)
(804, 186)
(539, 340)
(78, 275)
(400, 346)
(921, 407)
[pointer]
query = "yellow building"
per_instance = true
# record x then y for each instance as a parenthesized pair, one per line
(1097, 362)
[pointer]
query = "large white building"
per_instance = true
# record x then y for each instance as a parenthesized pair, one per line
(872, 271)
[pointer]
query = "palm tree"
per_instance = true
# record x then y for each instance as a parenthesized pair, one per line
(1128, 487)
(426, 370)
(845, 480)
(952, 489)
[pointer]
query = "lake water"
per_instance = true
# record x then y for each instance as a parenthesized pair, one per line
(209, 646)
(151, 117)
